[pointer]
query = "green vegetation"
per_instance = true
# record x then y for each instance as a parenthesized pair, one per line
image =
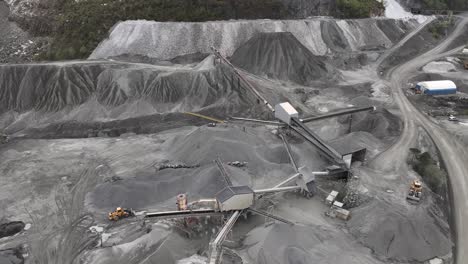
(435, 4)
(439, 28)
(445, 4)
(430, 172)
(359, 8)
(79, 26)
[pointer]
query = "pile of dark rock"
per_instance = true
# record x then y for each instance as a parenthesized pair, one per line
(11, 228)
(353, 197)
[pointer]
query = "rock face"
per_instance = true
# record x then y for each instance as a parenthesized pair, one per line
(167, 40)
(280, 56)
(33, 15)
(16, 45)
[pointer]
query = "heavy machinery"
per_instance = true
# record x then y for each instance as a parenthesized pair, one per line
(453, 118)
(120, 213)
(415, 191)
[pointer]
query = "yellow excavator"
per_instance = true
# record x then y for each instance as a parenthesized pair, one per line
(415, 191)
(120, 213)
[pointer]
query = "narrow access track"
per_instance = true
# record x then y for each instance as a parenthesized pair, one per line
(452, 151)
(403, 41)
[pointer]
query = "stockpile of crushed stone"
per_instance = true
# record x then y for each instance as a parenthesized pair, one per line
(401, 232)
(281, 56)
(267, 159)
(52, 87)
(97, 91)
(359, 139)
(380, 123)
(320, 36)
(305, 244)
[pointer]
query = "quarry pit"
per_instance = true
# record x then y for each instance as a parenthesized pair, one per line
(143, 119)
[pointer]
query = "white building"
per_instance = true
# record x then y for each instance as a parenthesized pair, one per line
(233, 198)
(437, 87)
(285, 111)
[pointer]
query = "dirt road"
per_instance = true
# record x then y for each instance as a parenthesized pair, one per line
(452, 151)
(403, 41)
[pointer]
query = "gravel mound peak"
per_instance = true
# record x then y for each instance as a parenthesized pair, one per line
(279, 55)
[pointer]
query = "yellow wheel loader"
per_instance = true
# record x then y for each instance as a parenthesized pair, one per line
(415, 191)
(120, 213)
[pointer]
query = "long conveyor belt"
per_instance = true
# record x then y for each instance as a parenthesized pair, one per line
(271, 216)
(338, 113)
(313, 138)
(223, 171)
(249, 85)
(182, 214)
(288, 149)
(215, 246)
(267, 122)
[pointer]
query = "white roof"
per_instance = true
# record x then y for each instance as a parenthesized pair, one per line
(438, 85)
(288, 108)
(338, 204)
(334, 193)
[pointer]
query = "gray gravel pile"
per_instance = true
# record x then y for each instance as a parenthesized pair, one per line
(321, 36)
(402, 232)
(103, 91)
(267, 158)
(54, 86)
(305, 244)
(380, 123)
(281, 56)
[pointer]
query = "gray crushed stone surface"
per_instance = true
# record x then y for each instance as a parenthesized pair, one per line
(176, 39)
(266, 54)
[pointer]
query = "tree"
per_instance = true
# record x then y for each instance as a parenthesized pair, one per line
(414, 153)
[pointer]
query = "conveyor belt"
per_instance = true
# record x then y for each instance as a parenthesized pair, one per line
(225, 174)
(258, 121)
(205, 117)
(288, 180)
(313, 138)
(271, 216)
(277, 189)
(249, 85)
(338, 113)
(183, 214)
(288, 149)
(215, 246)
